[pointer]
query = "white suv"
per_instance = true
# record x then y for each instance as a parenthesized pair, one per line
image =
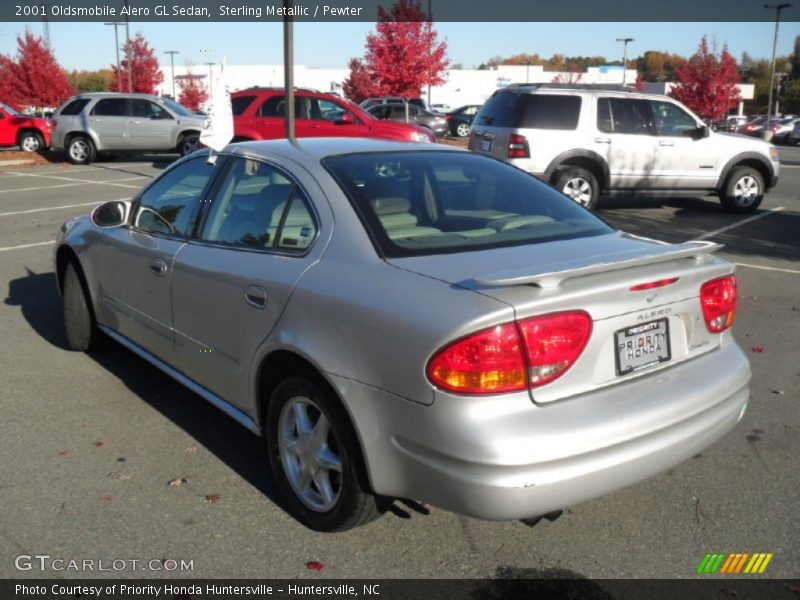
(592, 140)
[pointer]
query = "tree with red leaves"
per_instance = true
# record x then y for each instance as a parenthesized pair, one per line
(707, 84)
(35, 78)
(145, 71)
(403, 55)
(193, 93)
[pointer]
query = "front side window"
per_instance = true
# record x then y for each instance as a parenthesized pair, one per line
(111, 107)
(258, 206)
(419, 203)
(178, 109)
(145, 109)
(169, 205)
(671, 120)
(321, 109)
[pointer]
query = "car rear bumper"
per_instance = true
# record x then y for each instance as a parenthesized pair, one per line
(505, 458)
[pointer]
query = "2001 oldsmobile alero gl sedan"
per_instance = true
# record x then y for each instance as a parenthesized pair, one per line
(407, 320)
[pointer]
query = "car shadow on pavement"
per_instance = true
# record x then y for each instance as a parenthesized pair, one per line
(37, 296)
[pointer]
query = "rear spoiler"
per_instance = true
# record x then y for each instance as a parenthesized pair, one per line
(695, 249)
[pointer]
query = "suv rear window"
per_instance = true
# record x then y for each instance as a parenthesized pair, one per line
(420, 203)
(531, 111)
(240, 104)
(74, 107)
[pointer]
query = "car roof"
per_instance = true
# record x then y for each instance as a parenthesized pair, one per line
(319, 148)
(117, 95)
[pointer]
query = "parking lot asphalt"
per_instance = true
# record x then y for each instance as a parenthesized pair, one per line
(89, 443)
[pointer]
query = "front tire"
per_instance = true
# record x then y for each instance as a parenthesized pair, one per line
(580, 185)
(31, 141)
(743, 191)
(81, 150)
(79, 324)
(315, 458)
(189, 144)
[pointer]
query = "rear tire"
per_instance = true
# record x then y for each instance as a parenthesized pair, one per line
(189, 144)
(81, 150)
(305, 466)
(462, 130)
(31, 141)
(743, 191)
(580, 185)
(79, 324)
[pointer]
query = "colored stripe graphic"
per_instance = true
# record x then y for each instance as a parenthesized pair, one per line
(734, 562)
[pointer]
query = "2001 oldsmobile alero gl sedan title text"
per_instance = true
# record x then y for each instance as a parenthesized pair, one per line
(407, 320)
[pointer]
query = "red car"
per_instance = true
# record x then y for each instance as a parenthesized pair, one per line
(258, 115)
(31, 134)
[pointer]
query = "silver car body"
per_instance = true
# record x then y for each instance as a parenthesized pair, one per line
(143, 123)
(219, 319)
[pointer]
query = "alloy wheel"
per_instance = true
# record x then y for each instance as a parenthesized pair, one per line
(746, 190)
(579, 189)
(30, 143)
(309, 454)
(79, 150)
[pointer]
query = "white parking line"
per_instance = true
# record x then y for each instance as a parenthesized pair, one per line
(711, 234)
(7, 248)
(89, 181)
(764, 268)
(36, 210)
(48, 187)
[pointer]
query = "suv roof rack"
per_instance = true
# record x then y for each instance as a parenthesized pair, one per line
(608, 87)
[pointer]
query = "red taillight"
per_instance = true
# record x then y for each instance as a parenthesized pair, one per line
(518, 146)
(553, 343)
(718, 300)
(512, 357)
(653, 284)
(448, 117)
(487, 362)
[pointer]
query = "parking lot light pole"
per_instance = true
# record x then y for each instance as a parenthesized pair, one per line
(778, 8)
(172, 54)
(128, 48)
(288, 70)
(116, 47)
(625, 41)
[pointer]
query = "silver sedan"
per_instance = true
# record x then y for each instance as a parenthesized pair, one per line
(413, 321)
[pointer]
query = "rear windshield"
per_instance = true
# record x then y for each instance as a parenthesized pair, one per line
(522, 110)
(419, 203)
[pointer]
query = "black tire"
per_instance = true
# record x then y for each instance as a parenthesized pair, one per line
(31, 141)
(580, 185)
(462, 129)
(188, 144)
(354, 505)
(743, 191)
(79, 323)
(80, 150)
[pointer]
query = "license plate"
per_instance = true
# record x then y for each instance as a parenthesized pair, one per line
(486, 145)
(642, 346)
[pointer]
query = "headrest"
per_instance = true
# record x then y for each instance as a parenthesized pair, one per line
(390, 206)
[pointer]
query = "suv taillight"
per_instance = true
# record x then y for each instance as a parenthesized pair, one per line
(512, 357)
(518, 146)
(718, 300)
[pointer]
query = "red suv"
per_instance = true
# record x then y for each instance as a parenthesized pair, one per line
(31, 134)
(258, 115)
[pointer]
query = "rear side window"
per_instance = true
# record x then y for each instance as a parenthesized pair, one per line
(74, 107)
(240, 104)
(420, 203)
(543, 111)
(111, 107)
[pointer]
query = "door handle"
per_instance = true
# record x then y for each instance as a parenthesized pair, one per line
(159, 267)
(256, 296)
(602, 140)
(666, 143)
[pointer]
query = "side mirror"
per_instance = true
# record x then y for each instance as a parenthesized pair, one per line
(111, 214)
(701, 132)
(345, 119)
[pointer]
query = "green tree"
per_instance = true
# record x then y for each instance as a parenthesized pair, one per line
(91, 81)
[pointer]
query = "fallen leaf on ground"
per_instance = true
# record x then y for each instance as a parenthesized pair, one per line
(106, 498)
(99, 444)
(779, 392)
(758, 349)
(213, 498)
(65, 453)
(190, 449)
(119, 476)
(177, 482)
(315, 566)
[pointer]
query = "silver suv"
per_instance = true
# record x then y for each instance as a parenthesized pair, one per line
(590, 140)
(112, 122)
